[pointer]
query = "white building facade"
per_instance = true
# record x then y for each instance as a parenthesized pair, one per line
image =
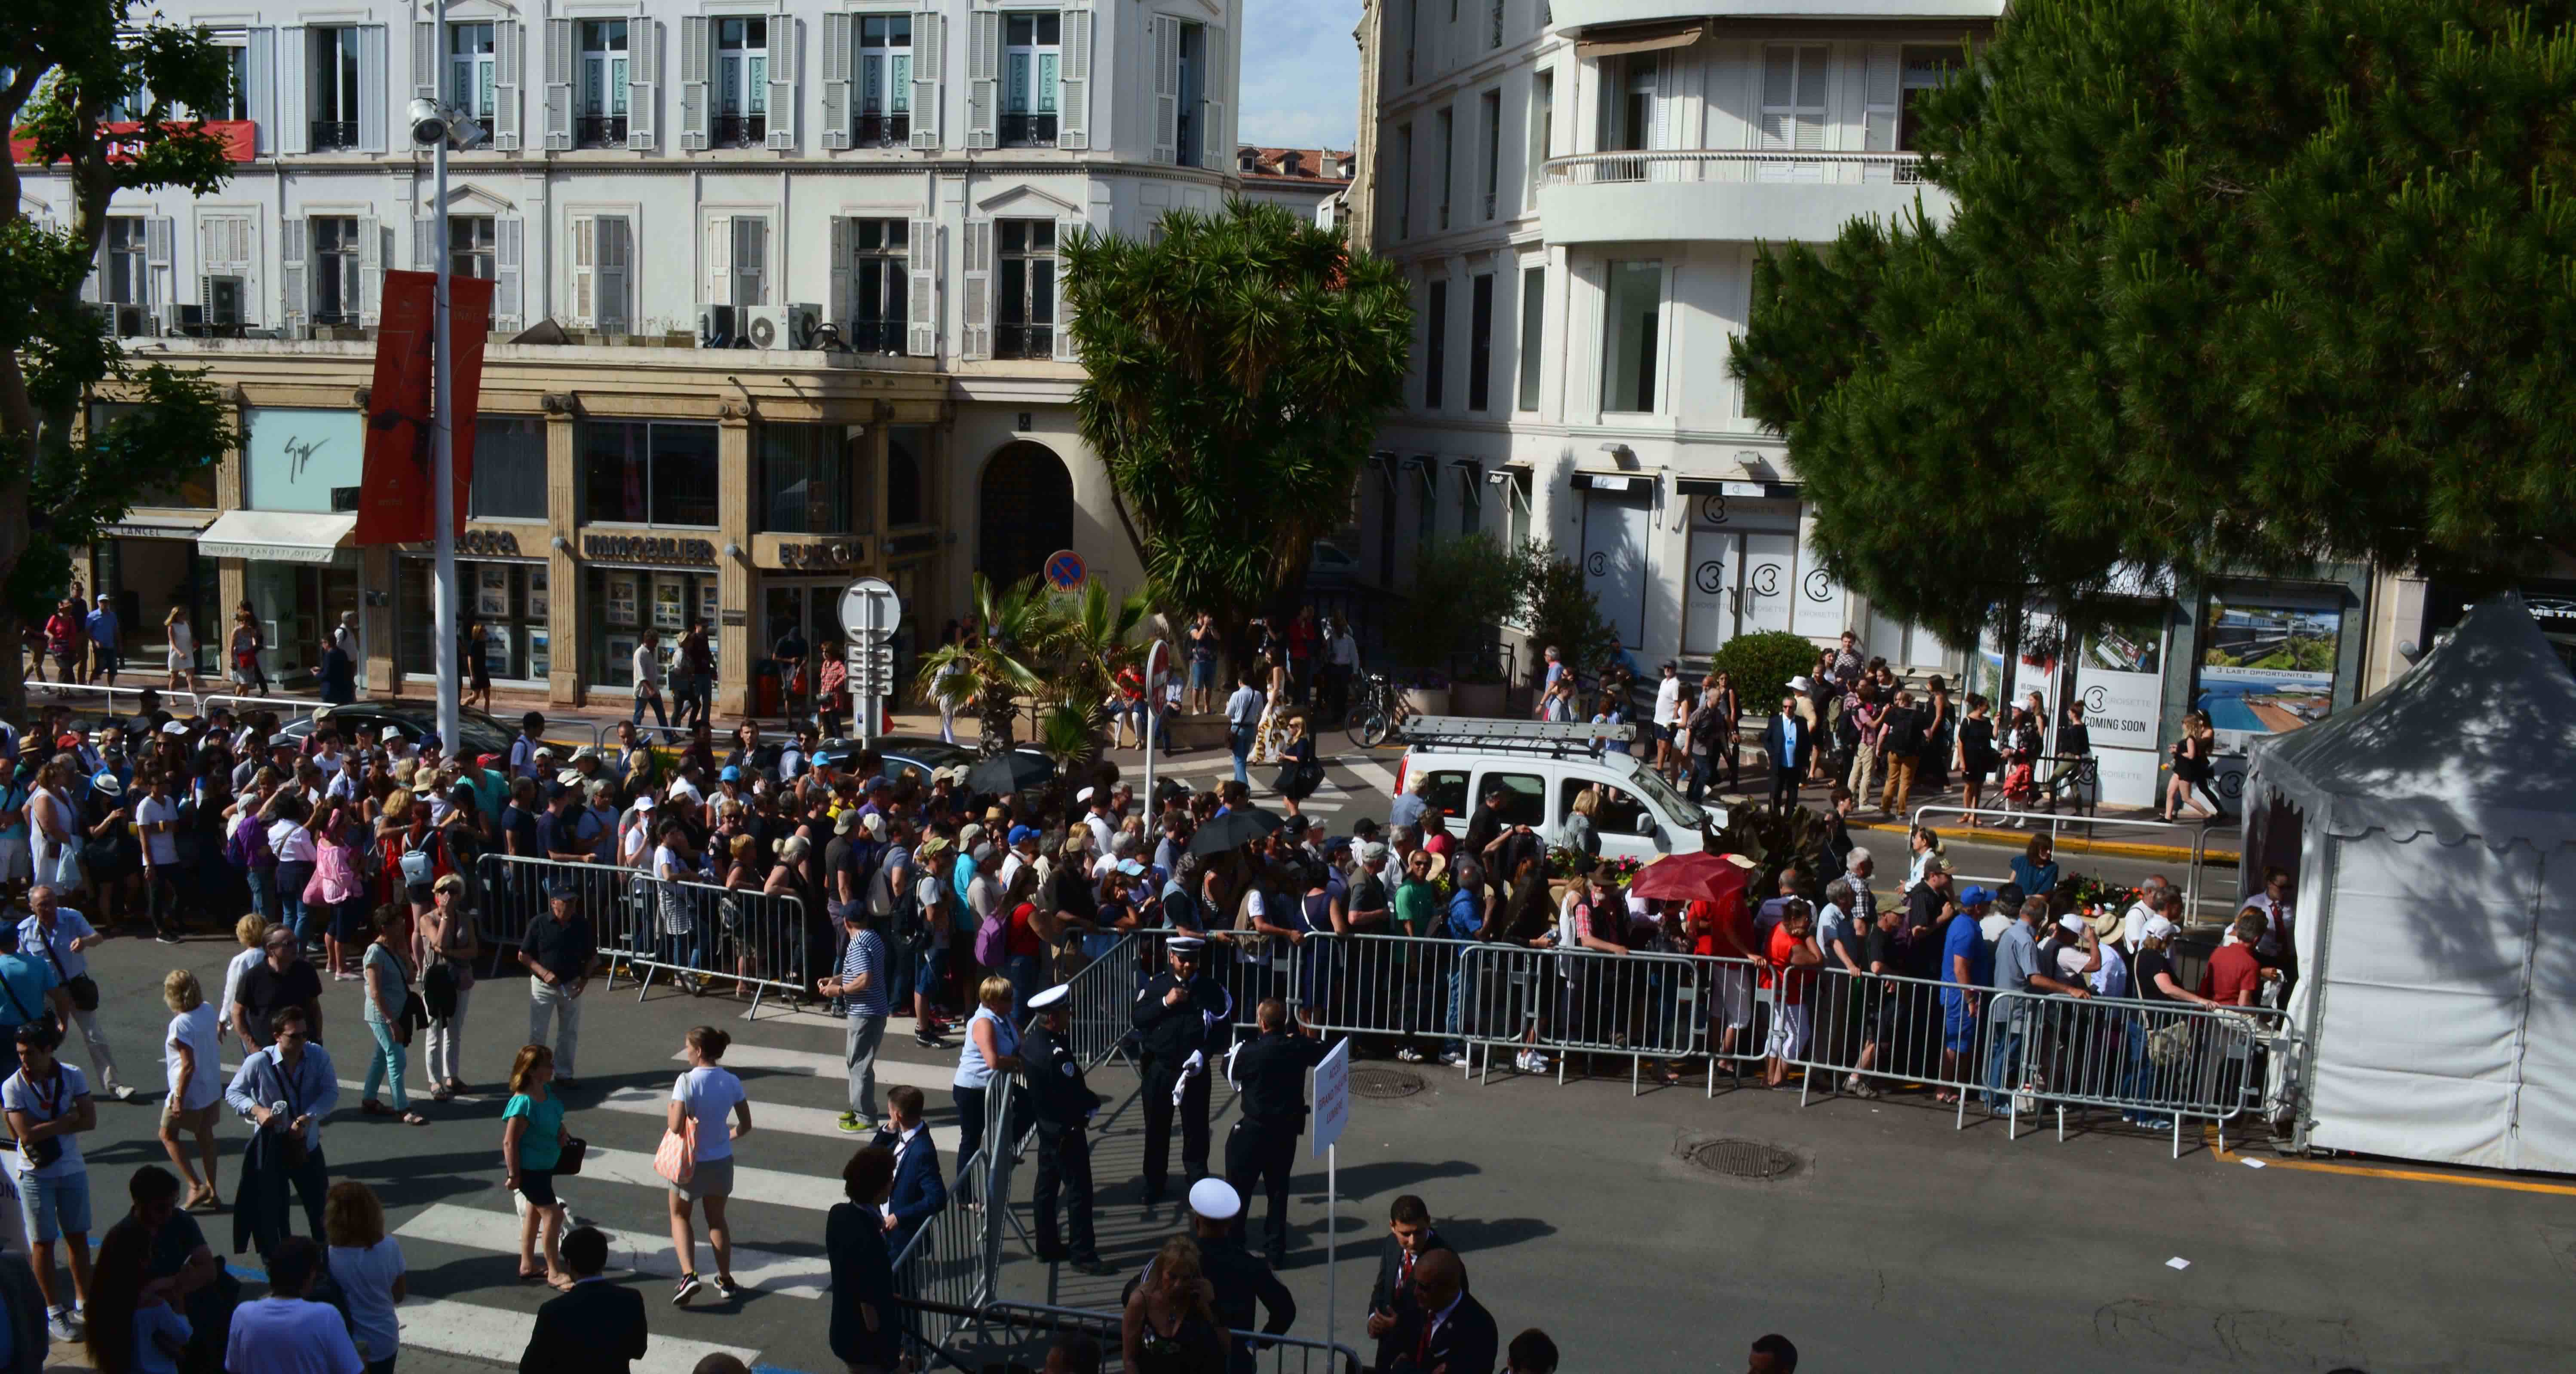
(1577, 191)
(799, 260)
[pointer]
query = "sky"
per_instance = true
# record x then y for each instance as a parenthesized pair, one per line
(1301, 73)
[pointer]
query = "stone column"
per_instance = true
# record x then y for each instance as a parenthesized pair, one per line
(566, 616)
(734, 581)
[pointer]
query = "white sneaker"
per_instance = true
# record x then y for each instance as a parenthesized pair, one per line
(59, 1325)
(1409, 1054)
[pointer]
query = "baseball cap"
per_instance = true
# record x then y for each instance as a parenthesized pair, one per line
(1975, 896)
(1019, 833)
(732, 773)
(1130, 867)
(563, 890)
(2156, 928)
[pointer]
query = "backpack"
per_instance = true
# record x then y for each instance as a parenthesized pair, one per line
(247, 845)
(418, 868)
(1905, 737)
(993, 940)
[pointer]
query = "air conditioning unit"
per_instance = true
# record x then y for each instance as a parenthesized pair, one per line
(132, 321)
(781, 326)
(717, 326)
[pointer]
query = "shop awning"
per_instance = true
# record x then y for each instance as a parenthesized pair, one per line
(278, 536)
(1639, 38)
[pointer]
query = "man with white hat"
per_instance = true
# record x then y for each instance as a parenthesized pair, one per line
(1183, 1019)
(1064, 1105)
(1240, 1279)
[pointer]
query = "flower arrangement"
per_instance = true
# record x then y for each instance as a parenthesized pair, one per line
(1566, 865)
(2090, 892)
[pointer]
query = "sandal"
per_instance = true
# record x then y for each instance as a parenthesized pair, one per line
(414, 1119)
(456, 1087)
(440, 1094)
(533, 1276)
(371, 1107)
(561, 1283)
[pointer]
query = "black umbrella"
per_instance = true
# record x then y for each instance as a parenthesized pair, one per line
(1008, 772)
(1232, 831)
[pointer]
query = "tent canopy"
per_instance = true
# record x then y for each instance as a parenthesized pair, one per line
(2437, 892)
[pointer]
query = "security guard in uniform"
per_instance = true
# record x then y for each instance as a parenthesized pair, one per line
(1183, 1017)
(1270, 1073)
(1063, 1105)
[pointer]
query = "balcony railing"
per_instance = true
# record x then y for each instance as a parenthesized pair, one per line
(599, 131)
(881, 131)
(740, 130)
(1028, 131)
(875, 336)
(1734, 165)
(1024, 341)
(332, 135)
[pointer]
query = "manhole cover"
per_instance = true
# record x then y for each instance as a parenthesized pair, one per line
(1386, 1082)
(1743, 1159)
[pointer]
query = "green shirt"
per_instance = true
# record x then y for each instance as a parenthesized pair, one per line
(1417, 907)
(542, 1144)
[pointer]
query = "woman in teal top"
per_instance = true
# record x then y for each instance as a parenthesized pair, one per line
(532, 1141)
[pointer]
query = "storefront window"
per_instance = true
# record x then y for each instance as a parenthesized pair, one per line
(509, 469)
(191, 490)
(624, 602)
(509, 600)
(308, 460)
(804, 480)
(2268, 665)
(635, 472)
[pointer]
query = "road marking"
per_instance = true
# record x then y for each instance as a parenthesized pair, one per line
(2511, 1185)
(765, 1116)
(1373, 773)
(927, 1077)
(641, 1252)
(500, 1335)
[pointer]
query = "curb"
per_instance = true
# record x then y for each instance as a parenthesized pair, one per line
(2066, 844)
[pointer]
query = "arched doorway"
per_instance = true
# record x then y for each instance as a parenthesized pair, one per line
(1027, 512)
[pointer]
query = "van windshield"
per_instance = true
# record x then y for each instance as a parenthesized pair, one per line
(1658, 791)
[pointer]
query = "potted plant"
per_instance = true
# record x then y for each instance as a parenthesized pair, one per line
(1478, 690)
(1426, 692)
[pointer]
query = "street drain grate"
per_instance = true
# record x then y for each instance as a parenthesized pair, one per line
(1750, 1159)
(1386, 1082)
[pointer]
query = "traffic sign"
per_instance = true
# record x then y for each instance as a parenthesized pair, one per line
(870, 608)
(1332, 1097)
(1065, 570)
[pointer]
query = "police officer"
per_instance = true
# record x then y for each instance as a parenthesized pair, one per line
(1064, 1105)
(1182, 1018)
(1270, 1072)
(1241, 1281)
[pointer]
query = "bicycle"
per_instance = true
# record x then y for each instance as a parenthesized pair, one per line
(1378, 711)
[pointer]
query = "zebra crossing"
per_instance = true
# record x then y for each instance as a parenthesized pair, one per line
(786, 1177)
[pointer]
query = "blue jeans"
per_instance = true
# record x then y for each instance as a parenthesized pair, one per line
(933, 983)
(1239, 739)
(263, 892)
(1022, 970)
(2004, 1052)
(1459, 992)
(306, 922)
(655, 701)
(386, 1064)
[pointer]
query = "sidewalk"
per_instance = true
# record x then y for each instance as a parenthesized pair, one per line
(2154, 841)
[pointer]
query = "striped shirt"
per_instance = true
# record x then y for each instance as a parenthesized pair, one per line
(865, 957)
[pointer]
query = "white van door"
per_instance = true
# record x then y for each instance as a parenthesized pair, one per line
(1628, 828)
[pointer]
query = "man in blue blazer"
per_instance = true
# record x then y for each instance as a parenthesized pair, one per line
(918, 1194)
(1448, 1332)
(1790, 744)
(596, 1327)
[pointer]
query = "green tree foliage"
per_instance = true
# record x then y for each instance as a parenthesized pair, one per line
(1450, 616)
(1761, 665)
(2231, 287)
(1561, 611)
(65, 64)
(1238, 368)
(1062, 654)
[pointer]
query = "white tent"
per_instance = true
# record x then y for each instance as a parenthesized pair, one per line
(2436, 913)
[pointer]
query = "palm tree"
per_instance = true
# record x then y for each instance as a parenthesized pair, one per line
(1004, 661)
(1095, 640)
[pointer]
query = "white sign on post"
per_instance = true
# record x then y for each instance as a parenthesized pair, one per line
(870, 611)
(1332, 1097)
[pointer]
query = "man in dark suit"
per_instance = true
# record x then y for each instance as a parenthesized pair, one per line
(1409, 1236)
(1790, 744)
(597, 1327)
(919, 1193)
(1450, 1332)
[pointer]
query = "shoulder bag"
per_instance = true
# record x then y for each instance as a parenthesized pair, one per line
(676, 1158)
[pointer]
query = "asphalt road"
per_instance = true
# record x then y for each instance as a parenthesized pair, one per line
(1899, 1242)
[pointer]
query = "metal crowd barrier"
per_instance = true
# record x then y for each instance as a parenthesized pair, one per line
(952, 1265)
(2198, 835)
(1641, 1005)
(1242, 966)
(998, 1323)
(1101, 1007)
(699, 934)
(2178, 1061)
(1885, 1030)
(1401, 987)
(203, 703)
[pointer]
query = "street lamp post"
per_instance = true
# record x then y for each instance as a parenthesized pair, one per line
(443, 454)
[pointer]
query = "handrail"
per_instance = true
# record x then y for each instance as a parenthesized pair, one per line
(1693, 164)
(2056, 824)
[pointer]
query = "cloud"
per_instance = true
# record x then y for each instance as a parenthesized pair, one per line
(1301, 73)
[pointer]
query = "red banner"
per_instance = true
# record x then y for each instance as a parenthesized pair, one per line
(240, 137)
(396, 504)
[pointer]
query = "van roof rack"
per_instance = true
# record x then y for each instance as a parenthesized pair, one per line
(1479, 734)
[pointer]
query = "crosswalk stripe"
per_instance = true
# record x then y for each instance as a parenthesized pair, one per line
(775, 1187)
(500, 1335)
(765, 1116)
(1372, 772)
(474, 1228)
(929, 1078)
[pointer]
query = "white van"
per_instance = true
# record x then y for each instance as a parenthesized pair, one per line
(1541, 767)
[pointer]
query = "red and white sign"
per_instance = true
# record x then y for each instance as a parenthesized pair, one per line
(240, 138)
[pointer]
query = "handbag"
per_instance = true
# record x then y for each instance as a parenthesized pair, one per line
(315, 894)
(569, 1161)
(676, 1158)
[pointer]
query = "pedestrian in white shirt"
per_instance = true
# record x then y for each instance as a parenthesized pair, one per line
(191, 1059)
(648, 681)
(252, 932)
(2133, 921)
(48, 1106)
(156, 818)
(284, 1334)
(62, 938)
(1668, 720)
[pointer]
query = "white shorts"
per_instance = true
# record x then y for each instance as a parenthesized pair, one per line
(1735, 996)
(1788, 1031)
(14, 864)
